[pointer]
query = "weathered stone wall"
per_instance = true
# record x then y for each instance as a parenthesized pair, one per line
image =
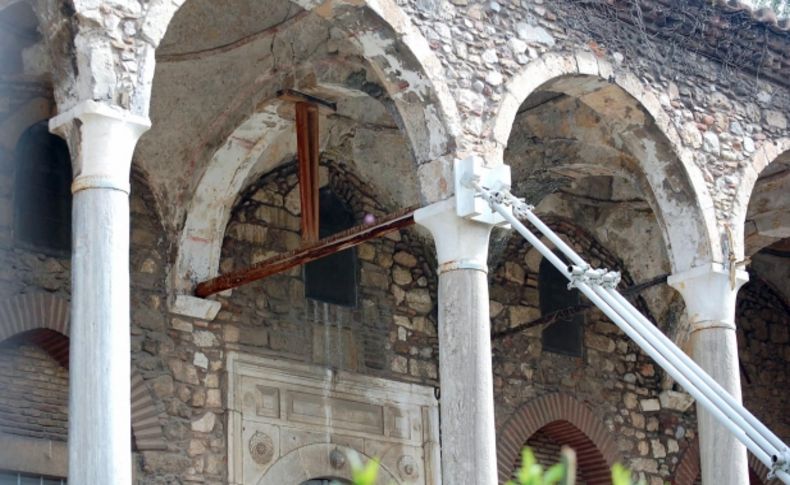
(722, 114)
(613, 377)
(33, 393)
(763, 322)
(390, 332)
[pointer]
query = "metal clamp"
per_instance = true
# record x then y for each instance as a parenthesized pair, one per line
(610, 280)
(578, 276)
(781, 466)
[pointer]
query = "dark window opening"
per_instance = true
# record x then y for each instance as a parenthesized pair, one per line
(333, 279)
(42, 191)
(564, 336)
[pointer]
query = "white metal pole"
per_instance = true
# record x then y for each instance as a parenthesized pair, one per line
(712, 390)
(630, 331)
(769, 441)
(634, 335)
(773, 441)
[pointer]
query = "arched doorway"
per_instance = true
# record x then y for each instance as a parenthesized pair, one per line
(550, 422)
(591, 467)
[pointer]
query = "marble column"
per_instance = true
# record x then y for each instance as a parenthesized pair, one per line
(710, 293)
(101, 139)
(467, 392)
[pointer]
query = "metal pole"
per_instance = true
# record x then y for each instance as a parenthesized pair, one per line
(735, 417)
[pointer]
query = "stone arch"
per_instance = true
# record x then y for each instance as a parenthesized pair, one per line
(398, 53)
(312, 461)
(394, 51)
(763, 157)
(7, 3)
(684, 211)
(37, 311)
(539, 412)
(688, 469)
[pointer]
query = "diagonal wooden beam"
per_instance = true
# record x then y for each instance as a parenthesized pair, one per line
(330, 245)
(307, 153)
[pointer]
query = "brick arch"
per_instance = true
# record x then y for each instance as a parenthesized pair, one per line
(689, 468)
(545, 410)
(32, 313)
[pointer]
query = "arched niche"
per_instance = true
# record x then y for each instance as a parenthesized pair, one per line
(43, 319)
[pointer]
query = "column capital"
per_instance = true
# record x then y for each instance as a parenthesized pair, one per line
(710, 292)
(460, 243)
(102, 140)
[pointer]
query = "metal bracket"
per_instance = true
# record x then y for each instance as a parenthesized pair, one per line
(781, 466)
(468, 202)
(593, 276)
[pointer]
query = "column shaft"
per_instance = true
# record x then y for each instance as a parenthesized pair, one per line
(102, 140)
(99, 398)
(710, 294)
(467, 389)
(466, 380)
(723, 458)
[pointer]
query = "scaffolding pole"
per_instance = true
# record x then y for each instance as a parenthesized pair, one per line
(599, 286)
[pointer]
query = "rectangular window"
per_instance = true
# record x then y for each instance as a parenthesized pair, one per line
(333, 279)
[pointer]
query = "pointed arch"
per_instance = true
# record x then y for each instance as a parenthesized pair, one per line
(45, 311)
(678, 195)
(394, 56)
(554, 408)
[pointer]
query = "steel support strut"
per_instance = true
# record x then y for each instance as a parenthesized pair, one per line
(599, 286)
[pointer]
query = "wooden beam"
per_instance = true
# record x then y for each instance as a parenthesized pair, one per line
(308, 153)
(330, 245)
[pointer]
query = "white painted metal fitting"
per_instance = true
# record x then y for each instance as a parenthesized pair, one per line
(781, 466)
(610, 280)
(469, 204)
(578, 275)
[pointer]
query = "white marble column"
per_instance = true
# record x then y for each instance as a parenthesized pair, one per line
(467, 391)
(710, 293)
(101, 140)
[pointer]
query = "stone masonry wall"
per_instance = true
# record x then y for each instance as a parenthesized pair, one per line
(614, 378)
(763, 322)
(721, 113)
(33, 393)
(391, 331)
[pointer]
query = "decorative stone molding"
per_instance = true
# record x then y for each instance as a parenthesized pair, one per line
(36, 311)
(536, 414)
(290, 422)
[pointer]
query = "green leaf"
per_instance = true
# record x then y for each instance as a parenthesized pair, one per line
(554, 474)
(367, 474)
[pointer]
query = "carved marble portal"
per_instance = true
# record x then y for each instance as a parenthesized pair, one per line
(290, 422)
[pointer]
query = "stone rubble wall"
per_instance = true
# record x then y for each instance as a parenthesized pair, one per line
(723, 116)
(763, 321)
(33, 393)
(613, 377)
